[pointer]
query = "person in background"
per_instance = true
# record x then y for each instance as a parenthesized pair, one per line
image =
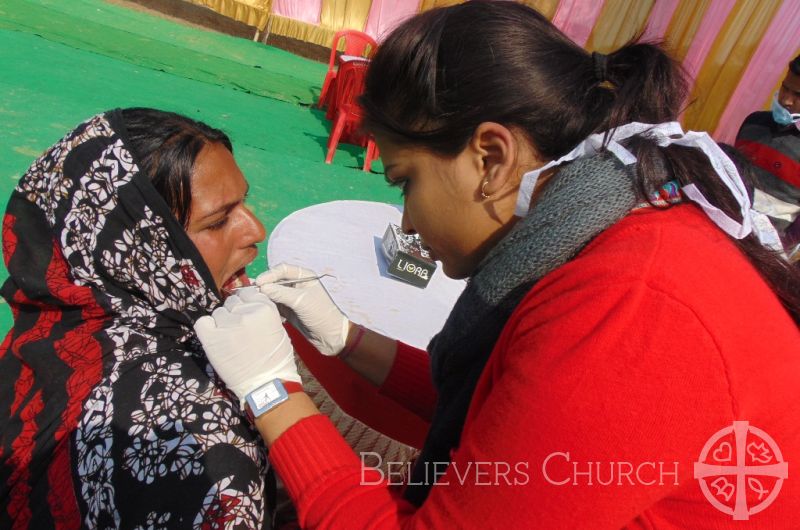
(116, 240)
(771, 140)
(621, 309)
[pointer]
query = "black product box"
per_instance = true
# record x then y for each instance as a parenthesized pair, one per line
(407, 260)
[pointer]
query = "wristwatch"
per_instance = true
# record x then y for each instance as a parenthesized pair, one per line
(267, 397)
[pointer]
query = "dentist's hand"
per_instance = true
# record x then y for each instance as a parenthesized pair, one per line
(246, 343)
(310, 308)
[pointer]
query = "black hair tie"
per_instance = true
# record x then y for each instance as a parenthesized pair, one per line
(600, 61)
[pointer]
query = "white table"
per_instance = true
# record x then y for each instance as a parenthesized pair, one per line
(343, 238)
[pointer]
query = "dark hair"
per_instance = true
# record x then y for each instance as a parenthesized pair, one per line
(794, 65)
(443, 72)
(166, 146)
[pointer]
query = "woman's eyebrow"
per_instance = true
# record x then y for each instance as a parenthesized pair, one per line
(225, 208)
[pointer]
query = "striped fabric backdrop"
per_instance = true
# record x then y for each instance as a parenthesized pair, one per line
(735, 51)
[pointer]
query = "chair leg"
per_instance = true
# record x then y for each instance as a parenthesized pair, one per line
(336, 133)
(326, 85)
(369, 155)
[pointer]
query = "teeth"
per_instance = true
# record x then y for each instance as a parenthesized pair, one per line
(238, 281)
(232, 283)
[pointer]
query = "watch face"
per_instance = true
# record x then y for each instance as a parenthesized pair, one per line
(266, 397)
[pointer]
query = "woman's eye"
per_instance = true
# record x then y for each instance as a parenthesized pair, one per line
(219, 224)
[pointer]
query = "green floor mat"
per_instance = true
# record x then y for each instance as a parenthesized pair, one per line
(65, 61)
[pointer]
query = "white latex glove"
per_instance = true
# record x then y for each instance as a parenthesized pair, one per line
(246, 343)
(310, 308)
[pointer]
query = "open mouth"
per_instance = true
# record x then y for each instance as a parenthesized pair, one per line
(238, 279)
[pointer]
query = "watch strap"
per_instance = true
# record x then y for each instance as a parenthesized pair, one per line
(292, 387)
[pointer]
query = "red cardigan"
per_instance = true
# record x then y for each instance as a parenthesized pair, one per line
(657, 336)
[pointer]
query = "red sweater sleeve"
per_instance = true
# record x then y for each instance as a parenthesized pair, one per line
(409, 381)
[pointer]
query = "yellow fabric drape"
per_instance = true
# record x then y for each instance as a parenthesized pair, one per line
(726, 62)
(545, 7)
(251, 12)
(683, 26)
(424, 5)
(620, 21)
(344, 14)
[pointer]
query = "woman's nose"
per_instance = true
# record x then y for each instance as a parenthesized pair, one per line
(254, 230)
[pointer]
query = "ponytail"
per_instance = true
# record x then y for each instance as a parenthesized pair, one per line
(648, 86)
(657, 165)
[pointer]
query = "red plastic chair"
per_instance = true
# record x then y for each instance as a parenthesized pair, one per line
(347, 115)
(356, 43)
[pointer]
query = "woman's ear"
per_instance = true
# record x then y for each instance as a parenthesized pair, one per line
(496, 147)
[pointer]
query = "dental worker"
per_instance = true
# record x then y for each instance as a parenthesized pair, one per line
(621, 309)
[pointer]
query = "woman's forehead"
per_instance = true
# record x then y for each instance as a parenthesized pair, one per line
(217, 180)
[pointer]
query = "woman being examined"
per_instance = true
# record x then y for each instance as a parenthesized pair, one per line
(621, 308)
(116, 240)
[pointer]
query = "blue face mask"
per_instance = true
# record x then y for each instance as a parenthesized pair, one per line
(781, 114)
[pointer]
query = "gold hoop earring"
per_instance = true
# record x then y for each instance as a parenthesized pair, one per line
(483, 190)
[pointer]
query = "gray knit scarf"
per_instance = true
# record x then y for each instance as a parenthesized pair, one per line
(582, 200)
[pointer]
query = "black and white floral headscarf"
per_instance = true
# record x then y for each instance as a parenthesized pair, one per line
(111, 414)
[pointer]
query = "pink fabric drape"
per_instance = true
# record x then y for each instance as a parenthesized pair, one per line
(767, 66)
(385, 15)
(712, 22)
(659, 19)
(304, 10)
(576, 18)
